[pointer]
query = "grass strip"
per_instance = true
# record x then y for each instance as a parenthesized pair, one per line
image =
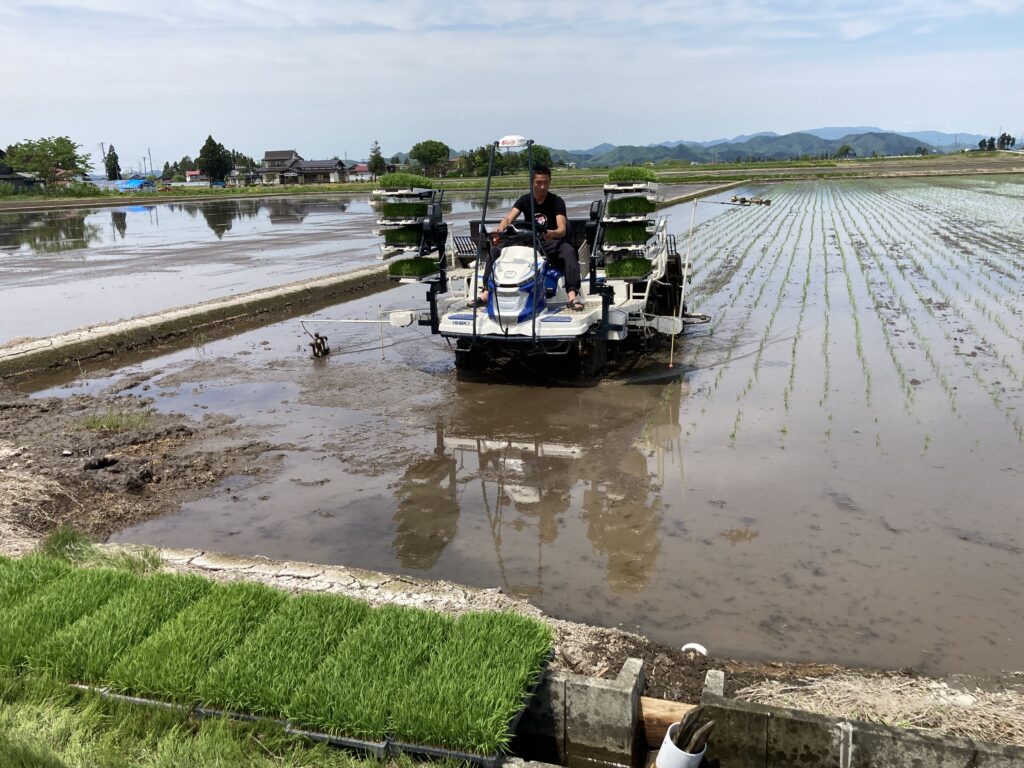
(262, 674)
(469, 691)
(403, 236)
(403, 210)
(622, 234)
(117, 421)
(85, 650)
(404, 181)
(55, 606)
(20, 578)
(627, 173)
(629, 206)
(354, 690)
(627, 268)
(44, 724)
(417, 267)
(171, 663)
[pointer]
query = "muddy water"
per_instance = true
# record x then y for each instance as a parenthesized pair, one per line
(827, 473)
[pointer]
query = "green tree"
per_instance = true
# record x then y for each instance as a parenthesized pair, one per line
(376, 163)
(48, 158)
(991, 144)
(432, 155)
(214, 160)
(845, 151)
(113, 167)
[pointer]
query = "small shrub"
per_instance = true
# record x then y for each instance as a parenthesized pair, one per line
(418, 267)
(627, 268)
(117, 421)
(404, 181)
(7, 189)
(626, 173)
(628, 206)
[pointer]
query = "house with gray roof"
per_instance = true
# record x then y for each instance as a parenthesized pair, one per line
(288, 167)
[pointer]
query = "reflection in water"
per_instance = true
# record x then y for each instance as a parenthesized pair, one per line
(526, 486)
(428, 510)
(119, 221)
(53, 233)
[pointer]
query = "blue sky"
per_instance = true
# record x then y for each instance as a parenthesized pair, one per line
(329, 77)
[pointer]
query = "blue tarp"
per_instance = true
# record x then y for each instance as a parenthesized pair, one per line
(135, 185)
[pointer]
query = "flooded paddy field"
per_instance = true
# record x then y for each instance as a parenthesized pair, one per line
(64, 269)
(831, 471)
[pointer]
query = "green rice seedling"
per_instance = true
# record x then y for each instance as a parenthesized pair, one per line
(403, 210)
(621, 234)
(69, 545)
(20, 578)
(353, 691)
(55, 606)
(262, 674)
(117, 421)
(627, 268)
(404, 181)
(410, 235)
(466, 695)
(630, 206)
(417, 267)
(85, 650)
(171, 662)
(627, 173)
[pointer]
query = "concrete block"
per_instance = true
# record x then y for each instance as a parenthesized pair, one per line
(602, 718)
(740, 737)
(879, 746)
(803, 739)
(541, 731)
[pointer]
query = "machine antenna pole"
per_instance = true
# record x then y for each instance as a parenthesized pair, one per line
(686, 276)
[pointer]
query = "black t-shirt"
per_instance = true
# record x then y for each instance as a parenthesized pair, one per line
(545, 212)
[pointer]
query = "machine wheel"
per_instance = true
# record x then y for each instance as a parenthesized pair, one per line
(469, 359)
(593, 354)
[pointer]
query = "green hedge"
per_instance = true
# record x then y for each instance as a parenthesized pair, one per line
(631, 173)
(627, 268)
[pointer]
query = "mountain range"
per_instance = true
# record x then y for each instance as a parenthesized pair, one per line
(864, 141)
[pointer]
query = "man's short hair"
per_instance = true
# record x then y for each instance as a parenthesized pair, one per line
(542, 169)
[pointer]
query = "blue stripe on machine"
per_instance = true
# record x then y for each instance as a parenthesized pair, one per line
(557, 319)
(462, 317)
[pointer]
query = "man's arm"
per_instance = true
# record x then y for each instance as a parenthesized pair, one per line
(562, 228)
(509, 218)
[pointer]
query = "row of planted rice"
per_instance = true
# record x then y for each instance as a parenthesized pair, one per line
(324, 662)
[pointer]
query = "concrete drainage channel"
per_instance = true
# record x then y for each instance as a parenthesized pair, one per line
(586, 722)
(67, 350)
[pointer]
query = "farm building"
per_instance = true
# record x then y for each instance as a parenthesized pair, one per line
(288, 167)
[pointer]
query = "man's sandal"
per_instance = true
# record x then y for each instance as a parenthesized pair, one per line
(576, 305)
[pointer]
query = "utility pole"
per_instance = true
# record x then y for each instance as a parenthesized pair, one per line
(148, 152)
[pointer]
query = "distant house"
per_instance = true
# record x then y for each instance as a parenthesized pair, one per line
(359, 172)
(17, 179)
(135, 185)
(197, 178)
(288, 167)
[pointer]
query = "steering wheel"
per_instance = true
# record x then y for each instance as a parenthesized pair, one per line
(514, 235)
